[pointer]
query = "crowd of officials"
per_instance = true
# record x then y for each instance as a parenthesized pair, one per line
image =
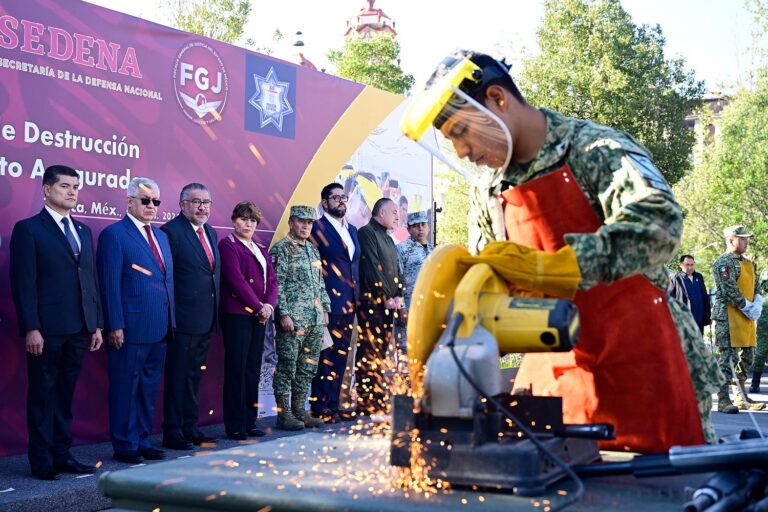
(157, 295)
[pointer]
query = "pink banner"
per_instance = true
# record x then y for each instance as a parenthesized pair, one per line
(117, 97)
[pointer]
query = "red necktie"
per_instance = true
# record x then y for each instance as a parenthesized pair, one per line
(154, 247)
(207, 250)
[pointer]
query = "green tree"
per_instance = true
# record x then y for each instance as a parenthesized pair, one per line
(451, 193)
(223, 20)
(729, 184)
(374, 61)
(595, 63)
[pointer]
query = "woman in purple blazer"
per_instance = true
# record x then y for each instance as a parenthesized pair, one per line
(248, 298)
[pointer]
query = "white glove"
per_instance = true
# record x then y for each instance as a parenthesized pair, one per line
(757, 309)
(748, 308)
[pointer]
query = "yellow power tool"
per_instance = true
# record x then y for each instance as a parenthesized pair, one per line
(461, 320)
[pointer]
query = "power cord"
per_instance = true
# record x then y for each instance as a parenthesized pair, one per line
(453, 328)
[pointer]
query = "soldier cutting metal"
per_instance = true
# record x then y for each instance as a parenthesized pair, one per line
(572, 209)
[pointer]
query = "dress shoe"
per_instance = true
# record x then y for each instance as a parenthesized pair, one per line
(346, 415)
(129, 457)
(199, 439)
(177, 443)
(237, 436)
(328, 416)
(152, 453)
(72, 466)
(45, 473)
(255, 432)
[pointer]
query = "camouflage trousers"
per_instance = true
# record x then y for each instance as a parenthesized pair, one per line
(738, 358)
(704, 372)
(761, 351)
(297, 357)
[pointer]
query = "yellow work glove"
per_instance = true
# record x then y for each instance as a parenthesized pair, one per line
(556, 274)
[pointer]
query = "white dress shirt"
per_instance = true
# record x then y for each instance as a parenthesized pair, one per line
(205, 237)
(57, 219)
(259, 257)
(342, 228)
(140, 226)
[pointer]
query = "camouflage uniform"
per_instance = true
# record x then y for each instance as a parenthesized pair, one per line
(302, 296)
(761, 351)
(642, 223)
(410, 256)
(726, 272)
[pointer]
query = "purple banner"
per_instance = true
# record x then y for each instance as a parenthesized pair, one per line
(117, 97)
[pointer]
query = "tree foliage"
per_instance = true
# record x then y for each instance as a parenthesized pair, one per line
(223, 20)
(374, 61)
(451, 193)
(729, 184)
(595, 63)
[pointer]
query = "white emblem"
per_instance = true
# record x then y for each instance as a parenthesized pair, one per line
(199, 104)
(271, 99)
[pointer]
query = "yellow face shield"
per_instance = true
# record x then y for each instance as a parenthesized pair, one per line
(470, 136)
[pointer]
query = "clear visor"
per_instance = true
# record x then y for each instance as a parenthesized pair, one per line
(471, 139)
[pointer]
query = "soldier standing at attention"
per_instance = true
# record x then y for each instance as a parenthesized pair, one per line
(301, 316)
(411, 254)
(738, 305)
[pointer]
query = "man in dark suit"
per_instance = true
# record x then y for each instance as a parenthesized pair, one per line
(336, 240)
(136, 276)
(696, 290)
(55, 291)
(196, 272)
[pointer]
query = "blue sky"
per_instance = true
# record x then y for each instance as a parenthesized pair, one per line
(712, 35)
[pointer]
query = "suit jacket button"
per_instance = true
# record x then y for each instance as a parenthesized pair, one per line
(250, 280)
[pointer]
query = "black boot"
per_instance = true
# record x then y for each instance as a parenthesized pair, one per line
(755, 387)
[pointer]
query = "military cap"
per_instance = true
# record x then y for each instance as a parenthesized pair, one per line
(303, 212)
(735, 231)
(416, 218)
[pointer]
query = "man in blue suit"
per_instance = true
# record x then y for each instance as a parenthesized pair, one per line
(55, 291)
(336, 240)
(136, 275)
(196, 277)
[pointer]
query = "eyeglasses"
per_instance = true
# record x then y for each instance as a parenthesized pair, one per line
(145, 200)
(197, 203)
(338, 198)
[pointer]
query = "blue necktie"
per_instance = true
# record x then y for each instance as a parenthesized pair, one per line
(70, 237)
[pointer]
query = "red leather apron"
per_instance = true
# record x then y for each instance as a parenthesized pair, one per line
(628, 368)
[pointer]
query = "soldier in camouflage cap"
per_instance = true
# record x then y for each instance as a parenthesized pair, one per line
(582, 212)
(738, 304)
(411, 255)
(301, 316)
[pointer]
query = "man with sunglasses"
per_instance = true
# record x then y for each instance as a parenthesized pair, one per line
(196, 277)
(336, 240)
(136, 276)
(578, 210)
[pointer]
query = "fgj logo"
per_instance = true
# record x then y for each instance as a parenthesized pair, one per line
(201, 82)
(270, 94)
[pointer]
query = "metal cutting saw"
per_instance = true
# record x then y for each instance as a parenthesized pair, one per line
(471, 428)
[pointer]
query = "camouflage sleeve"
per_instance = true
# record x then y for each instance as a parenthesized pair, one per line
(401, 255)
(642, 221)
(725, 277)
(325, 299)
(280, 263)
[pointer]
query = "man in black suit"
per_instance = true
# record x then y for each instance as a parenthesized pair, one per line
(196, 272)
(56, 294)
